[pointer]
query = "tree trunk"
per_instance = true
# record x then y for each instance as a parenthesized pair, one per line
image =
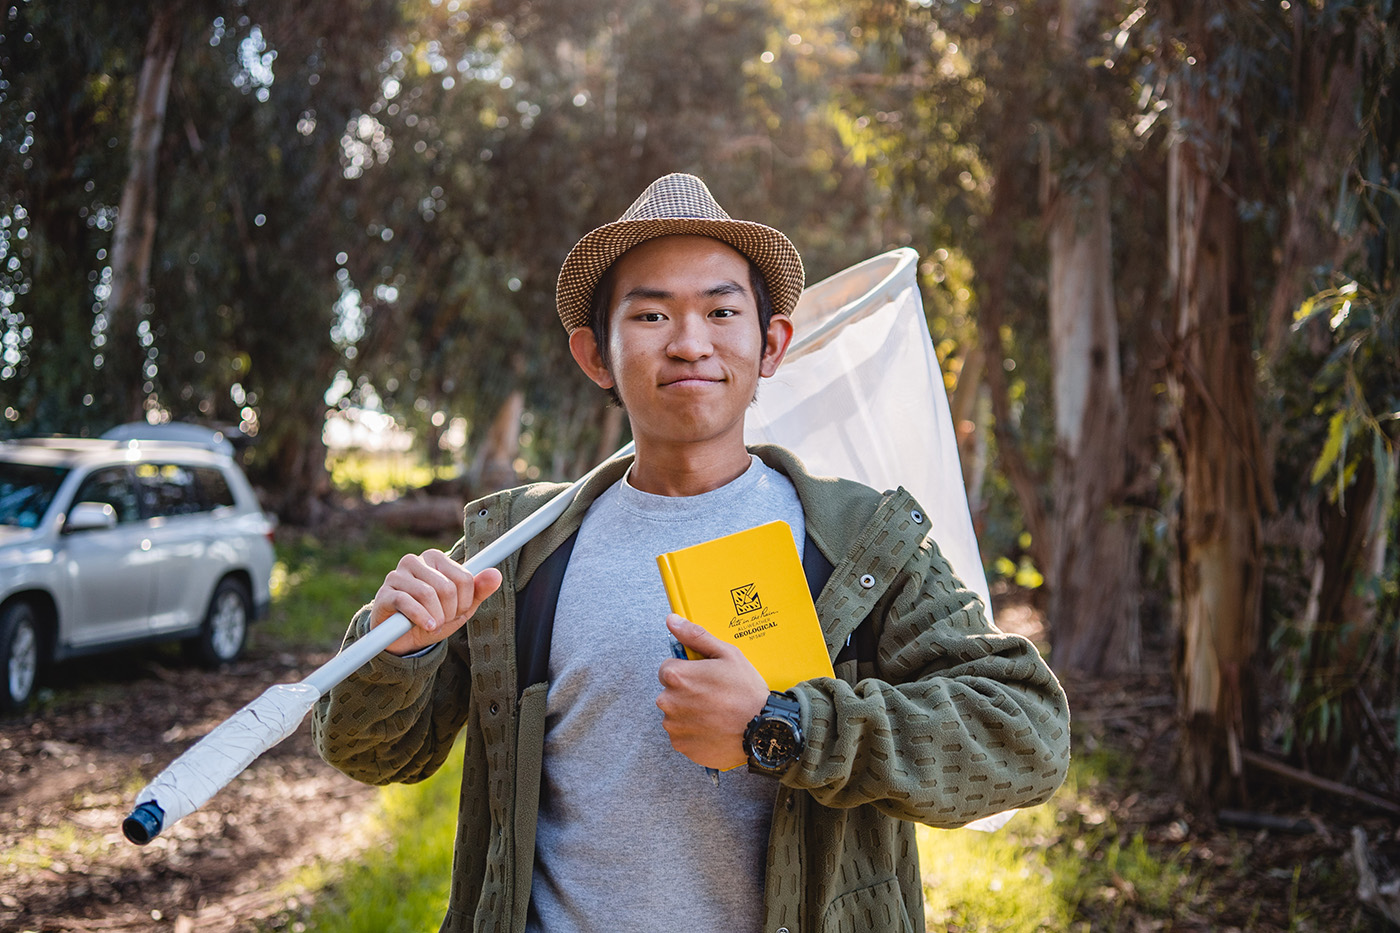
(1341, 622)
(1212, 381)
(610, 437)
(969, 395)
(494, 467)
(1001, 237)
(1093, 572)
(134, 235)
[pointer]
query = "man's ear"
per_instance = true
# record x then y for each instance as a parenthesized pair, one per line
(775, 344)
(584, 347)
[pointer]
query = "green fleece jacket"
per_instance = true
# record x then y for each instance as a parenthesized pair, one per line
(950, 721)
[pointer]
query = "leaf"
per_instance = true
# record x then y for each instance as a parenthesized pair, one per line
(1336, 439)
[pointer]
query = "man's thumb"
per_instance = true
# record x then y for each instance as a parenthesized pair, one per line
(695, 637)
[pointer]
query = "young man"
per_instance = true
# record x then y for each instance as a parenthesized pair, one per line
(583, 803)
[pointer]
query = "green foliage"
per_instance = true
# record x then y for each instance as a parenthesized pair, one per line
(319, 583)
(385, 189)
(377, 478)
(1339, 417)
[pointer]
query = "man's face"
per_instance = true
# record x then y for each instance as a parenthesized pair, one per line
(684, 348)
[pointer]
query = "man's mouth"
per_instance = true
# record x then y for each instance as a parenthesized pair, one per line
(690, 380)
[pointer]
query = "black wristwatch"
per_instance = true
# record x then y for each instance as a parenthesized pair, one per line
(773, 739)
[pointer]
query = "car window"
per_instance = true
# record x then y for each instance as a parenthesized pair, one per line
(214, 491)
(26, 491)
(167, 489)
(111, 485)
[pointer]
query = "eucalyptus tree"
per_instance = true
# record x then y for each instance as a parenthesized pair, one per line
(1223, 473)
(62, 132)
(257, 208)
(1333, 420)
(181, 176)
(1278, 113)
(522, 128)
(1011, 132)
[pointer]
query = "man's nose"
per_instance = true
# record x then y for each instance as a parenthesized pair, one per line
(691, 338)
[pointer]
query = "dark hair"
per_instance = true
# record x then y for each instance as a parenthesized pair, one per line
(600, 312)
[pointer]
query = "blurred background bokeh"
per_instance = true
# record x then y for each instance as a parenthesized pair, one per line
(1158, 262)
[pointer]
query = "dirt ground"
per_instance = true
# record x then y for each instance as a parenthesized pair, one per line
(70, 770)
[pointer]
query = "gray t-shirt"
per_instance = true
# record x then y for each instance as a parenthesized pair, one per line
(633, 836)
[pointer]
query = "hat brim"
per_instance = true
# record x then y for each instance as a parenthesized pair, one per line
(772, 252)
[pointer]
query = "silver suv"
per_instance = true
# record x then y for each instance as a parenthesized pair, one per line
(106, 543)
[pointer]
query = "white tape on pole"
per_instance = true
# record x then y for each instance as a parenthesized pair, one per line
(219, 757)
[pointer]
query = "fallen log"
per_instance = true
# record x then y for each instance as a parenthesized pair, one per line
(1248, 819)
(1265, 763)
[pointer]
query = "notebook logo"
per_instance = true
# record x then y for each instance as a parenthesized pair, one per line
(746, 598)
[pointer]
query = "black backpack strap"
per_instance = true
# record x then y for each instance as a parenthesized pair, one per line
(534, 616)
(860, 644)
(817, 569)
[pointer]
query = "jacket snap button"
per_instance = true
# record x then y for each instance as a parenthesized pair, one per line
(867, 581)
(482, 513)
(917, 516)
(782, 930)
(495, 708)
(788, 803)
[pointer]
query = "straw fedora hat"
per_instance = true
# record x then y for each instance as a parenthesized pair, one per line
(675, 204)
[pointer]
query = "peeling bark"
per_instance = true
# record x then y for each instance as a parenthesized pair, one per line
(1212, 381)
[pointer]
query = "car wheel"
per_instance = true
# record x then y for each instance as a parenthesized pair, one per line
(225, 629)
(19, 654)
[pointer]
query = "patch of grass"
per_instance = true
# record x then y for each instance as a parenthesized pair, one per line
(400, 884)
(379, 477)
(1063, 866)
(999, 881)
(318, 585)
(52, 847)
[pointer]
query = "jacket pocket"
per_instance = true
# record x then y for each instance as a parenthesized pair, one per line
(878, 908)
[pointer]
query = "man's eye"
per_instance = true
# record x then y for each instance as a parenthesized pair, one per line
(649, 316)
(723, 312)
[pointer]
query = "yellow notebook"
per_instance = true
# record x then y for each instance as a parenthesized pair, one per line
(748, 589)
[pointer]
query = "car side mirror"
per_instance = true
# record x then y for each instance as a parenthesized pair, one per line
(90, 516)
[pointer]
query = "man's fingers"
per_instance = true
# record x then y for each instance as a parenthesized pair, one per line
(404, 591)
(433, 590)
(468, 591)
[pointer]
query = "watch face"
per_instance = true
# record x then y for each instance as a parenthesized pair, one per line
(774, 743)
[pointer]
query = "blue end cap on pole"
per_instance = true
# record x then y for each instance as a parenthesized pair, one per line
(144, 823)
